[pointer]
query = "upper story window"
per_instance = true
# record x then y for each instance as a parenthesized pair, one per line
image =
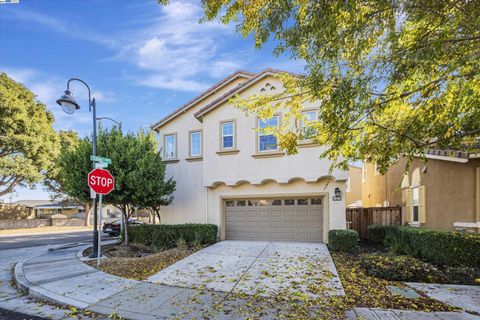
(196, 144)
(227, 130)
(267, 141)
(170, 145)
(309, 116)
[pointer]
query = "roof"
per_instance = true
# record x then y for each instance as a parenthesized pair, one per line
(203, 95)
(212, 105)
(46, 204)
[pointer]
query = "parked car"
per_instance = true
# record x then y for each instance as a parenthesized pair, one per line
(114, 228)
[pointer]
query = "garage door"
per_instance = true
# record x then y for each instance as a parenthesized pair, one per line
(299, 219)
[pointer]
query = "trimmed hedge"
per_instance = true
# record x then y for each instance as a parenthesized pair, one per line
(406, 268)
(343, 240)
(438, 247)
(166, 236)
(378, 232)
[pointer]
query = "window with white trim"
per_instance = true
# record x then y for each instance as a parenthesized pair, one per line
(228, 134)
(170, 146)
(195, 144)
(266, 140)
(415, 202)
(307, 130)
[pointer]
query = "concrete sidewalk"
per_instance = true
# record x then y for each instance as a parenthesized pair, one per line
(42, 230)
(60, 276)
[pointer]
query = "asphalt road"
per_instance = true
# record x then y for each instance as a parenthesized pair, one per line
(33, 240)
(10, 315)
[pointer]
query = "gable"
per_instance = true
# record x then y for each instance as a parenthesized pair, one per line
(212, 93)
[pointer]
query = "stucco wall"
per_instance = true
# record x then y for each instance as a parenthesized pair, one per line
(450, 189)
(354, 193)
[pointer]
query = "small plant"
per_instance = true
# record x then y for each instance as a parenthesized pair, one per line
(343, 240)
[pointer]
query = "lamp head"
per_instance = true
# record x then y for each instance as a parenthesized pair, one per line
(68, 102)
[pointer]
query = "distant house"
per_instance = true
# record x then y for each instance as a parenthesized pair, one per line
(441, 193)
(47, 208)
(353, 192)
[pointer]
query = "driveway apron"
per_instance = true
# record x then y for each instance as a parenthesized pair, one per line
(257, 268)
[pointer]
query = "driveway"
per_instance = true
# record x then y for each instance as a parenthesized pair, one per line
(257, 267)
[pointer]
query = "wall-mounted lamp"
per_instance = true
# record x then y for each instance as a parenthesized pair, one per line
(337, 194)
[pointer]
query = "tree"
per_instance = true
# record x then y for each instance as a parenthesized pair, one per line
(393, 77)
(28, 142)
(65, 179)
(138, 170)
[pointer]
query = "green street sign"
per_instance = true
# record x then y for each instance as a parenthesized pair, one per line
(101, 159)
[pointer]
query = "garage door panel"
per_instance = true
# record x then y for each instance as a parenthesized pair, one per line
(289, 222)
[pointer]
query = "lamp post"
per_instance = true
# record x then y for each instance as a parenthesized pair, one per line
(107, 118)
(69, 105)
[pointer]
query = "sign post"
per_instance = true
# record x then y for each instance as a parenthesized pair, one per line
(102, 182)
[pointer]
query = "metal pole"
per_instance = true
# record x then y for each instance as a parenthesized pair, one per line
(99, 248)
(95, 210)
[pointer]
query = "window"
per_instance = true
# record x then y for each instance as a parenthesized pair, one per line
(229, 203)
(241, 203)
(415, 202)
(195, 144)
(170, 146)
(276, 202)
(307, 130)
(267, 141)
(316, 201)
(302, 202)
(289, 202)
(228, 134)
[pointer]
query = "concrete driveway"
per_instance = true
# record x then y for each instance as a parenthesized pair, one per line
(257, 267)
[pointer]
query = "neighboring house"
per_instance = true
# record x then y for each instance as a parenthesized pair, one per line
(354, 187)
(230, 174)
(442, 193)
(47, 208)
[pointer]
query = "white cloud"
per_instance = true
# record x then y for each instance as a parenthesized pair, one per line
(161, 82)
(221, 68)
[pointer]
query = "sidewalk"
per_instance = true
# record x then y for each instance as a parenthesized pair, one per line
(40, 230)
(60, 276)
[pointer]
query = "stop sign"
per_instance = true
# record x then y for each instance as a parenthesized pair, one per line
(101, 181)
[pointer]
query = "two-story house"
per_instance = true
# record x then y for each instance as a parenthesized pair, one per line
(231, 174)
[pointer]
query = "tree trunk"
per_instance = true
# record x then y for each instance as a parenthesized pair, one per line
(86, 209)
(158, 215)
(125, 225)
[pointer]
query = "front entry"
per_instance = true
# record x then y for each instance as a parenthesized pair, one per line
(289, 219)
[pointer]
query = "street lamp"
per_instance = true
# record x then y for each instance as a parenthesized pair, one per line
(107, 118)
(70, 105)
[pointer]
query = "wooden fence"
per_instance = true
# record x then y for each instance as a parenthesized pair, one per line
(360, 218)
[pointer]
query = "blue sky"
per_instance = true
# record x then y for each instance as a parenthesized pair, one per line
(142, 60)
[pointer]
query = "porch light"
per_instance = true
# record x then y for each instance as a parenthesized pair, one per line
(338, 193)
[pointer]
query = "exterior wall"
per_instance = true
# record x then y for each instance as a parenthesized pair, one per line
(190, 196)
(334, 211)
(450, 189)
(354, 192)
(235, 168)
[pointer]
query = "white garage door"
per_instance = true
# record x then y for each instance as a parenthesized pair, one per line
(299, 219)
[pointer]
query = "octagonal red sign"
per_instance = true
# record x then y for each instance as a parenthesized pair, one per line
(101, 181)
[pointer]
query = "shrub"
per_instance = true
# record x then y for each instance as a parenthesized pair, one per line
(438, 247)
(378, 232)
(400, 268)
(406, 268)
(343, 240)
(167, 236)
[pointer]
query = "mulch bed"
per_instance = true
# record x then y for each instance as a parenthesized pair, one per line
(138, 262)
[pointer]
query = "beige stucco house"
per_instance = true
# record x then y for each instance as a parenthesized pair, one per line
(441, 193)
(230, 174)
(354, 187)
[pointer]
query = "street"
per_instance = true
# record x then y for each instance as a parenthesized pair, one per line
(13, 248)
(33, 240)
